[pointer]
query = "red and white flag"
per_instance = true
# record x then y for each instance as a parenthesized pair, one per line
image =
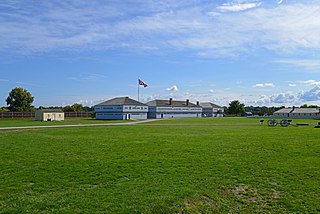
(142, 83)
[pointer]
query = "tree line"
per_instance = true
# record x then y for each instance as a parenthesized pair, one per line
(236, 108)
(20, 100)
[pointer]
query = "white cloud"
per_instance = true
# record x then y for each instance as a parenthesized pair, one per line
(311, 95)
(29, 28)
(282, 98)
(86, 102)
(261, 85)
(88, 77)
(311, 83)
(309, 64)
(292, 85)
(172, 88)
(214, 14)
(223, 97)
(26, 84)
(280, 1)
(235, 7)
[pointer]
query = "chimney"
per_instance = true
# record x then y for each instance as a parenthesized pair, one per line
(187, 102)
(198, 103)
(170, 101)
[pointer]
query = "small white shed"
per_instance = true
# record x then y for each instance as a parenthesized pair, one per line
(49, 115)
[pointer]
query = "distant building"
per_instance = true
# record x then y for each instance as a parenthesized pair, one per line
(248, 114)
(283, 113)
(49, 115)
(121, 108)
(211, 110)
(312, 113)
(173, 109)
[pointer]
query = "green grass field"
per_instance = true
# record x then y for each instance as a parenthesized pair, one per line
(226, 165)
(68, 121)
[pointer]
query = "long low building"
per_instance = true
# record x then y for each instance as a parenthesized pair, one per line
(211, 110)
(121, 108)
(125, 108)
(311, 113)
(173, 109)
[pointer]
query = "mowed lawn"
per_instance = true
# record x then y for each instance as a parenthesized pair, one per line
(222, 165)
(67, 121)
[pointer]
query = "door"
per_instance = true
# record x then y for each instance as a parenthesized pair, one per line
(128, 116)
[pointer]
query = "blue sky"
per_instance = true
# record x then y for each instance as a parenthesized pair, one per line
(257, 51)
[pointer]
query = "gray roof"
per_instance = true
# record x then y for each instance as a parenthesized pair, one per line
(284, 111)
(174, 103)
(298, 111)
(306, 110)
(50, 110)
(119, 101)
(209, 105)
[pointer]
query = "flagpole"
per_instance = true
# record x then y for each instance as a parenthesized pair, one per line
(138, 91)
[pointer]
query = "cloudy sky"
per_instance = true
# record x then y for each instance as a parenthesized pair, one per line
(261, 52)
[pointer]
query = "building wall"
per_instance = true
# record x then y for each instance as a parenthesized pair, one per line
(45, 116)
(212, 112)
(174, 112)
(136, 116)
(109, 116)
(297, 115)
(38, 116)
(121, 116)
(125, 112)
(173, 115)
(108, 109)
(305, 115)
(124, 108)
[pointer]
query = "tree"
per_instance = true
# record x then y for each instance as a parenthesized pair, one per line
(308, 106)
(20, 99)
(68, 109)
(74, 108)
(77, 107)
(4, 109)
(88, 108)
(236, 108)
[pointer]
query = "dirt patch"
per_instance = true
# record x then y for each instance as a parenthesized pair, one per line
(250, 194)
(199, 204)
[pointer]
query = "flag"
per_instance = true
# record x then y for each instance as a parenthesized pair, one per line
(142, 83)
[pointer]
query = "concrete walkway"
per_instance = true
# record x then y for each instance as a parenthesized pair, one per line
(76, 125)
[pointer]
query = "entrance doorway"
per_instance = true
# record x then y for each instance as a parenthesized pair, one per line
(128, 116)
